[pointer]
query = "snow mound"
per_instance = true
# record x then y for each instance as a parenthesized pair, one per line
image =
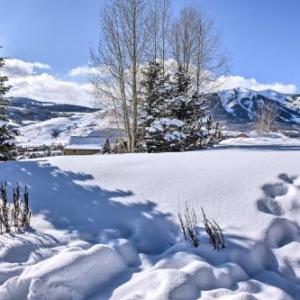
(59, 275)
(105, 227)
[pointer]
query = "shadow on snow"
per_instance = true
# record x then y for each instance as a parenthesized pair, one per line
(69, 202)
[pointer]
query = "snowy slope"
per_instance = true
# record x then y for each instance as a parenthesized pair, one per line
(25, 110)
(59, 130)
(44, 123)
(237, 108)
(105, 227)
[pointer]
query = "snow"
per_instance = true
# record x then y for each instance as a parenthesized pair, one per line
(86, 142)
(73, 273)
(271, 139)
(242, 103)
(231, 98)
(105, 227)
(276, 96)
(58, 130)
(158, 125)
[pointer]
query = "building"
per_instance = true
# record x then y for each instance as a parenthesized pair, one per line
(83, 145)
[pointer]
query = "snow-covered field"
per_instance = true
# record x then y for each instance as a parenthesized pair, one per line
(275, 139)
(58, 130)
(105, 227)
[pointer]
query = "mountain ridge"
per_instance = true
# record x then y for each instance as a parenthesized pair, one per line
(235, 109)
(26, 109)
(238, 108)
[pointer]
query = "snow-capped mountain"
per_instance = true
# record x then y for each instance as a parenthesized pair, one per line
(239, 107)
(236, 109)
(24, 110)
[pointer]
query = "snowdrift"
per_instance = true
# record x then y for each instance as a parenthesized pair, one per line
(105, 227)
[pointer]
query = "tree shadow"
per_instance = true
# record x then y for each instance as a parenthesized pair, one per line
(69, 201)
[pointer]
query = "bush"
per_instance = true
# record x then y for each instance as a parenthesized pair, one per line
(119, 147)
(4, 208)
(18, 213)
(26, 213)
(189, 225)
(214, 231)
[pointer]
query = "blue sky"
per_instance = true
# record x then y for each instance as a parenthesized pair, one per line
(262, 37)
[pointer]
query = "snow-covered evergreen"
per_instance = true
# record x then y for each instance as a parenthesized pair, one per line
(7, 135)
(159, 131)
(176, 117)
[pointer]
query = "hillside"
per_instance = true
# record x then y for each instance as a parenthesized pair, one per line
(106, 227)
(236, 110)
(24, 110)
(59, 129)
(44, 123)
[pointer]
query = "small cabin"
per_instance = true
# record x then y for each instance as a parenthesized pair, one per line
(83, 145)
(242, 135)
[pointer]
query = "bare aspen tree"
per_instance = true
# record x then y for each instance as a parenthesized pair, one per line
(134, 32)
(120, 54)
(165, 27)
(183, 38)
(196, 47)
(158, 18)
(154, 29)
(111, 56)
(208, 58)
(266, 116)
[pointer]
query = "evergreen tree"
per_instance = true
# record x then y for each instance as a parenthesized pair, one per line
(157, 128)
(190, 107)
(176, 117)
(7, 135)
(106, 148)
(194, 125)
(180, 93)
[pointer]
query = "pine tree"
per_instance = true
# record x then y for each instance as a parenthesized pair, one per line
(176, 117)
(157, 128)
(180, 93)
(7, 135)
(106, 148)
(199, 130)
(189, 108)
(194, 125)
